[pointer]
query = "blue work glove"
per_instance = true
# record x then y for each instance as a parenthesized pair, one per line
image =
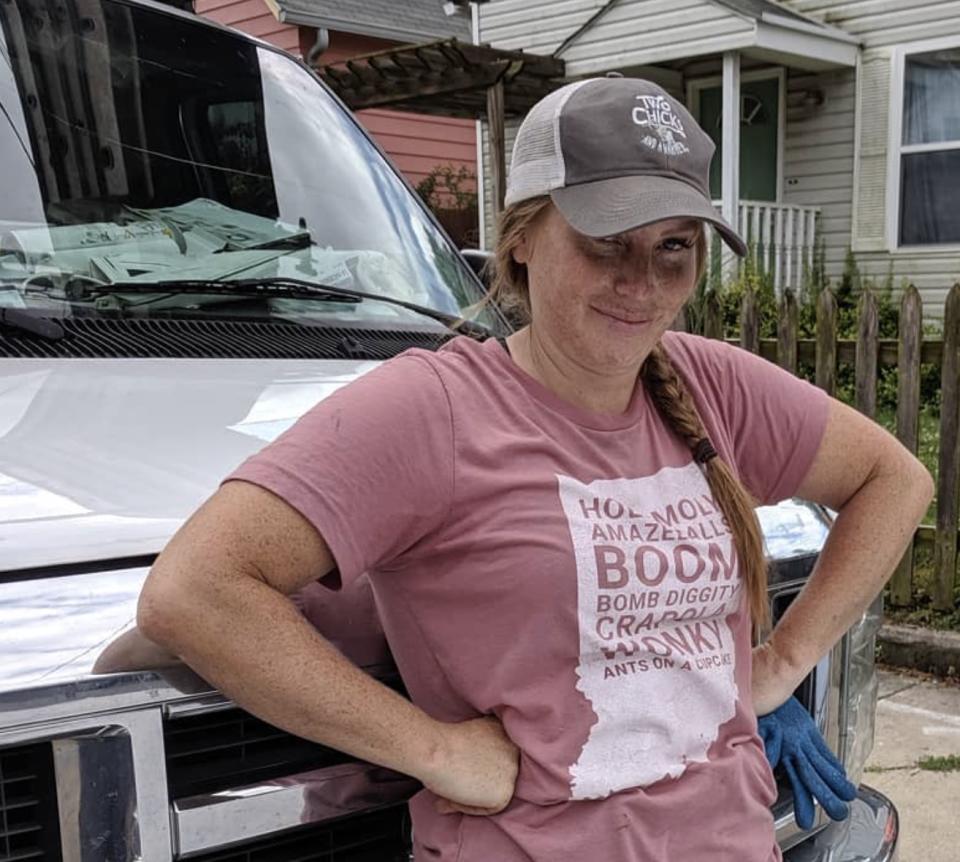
(790, 737)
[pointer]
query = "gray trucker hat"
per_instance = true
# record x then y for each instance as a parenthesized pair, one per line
(615, 154)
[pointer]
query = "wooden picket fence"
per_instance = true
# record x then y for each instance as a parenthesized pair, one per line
(868, 352)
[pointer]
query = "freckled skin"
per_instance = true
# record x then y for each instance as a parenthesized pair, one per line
(600, 305)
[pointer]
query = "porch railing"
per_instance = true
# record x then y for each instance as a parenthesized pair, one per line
(781, 237)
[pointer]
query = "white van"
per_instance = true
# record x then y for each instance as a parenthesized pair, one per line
(197, 243)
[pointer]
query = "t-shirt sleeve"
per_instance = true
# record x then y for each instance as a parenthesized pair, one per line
(774, 420)
(370, 466)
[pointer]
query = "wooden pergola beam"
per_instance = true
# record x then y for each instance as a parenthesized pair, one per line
(414, 76)
(536, 64)
(498, 147)
(382, 93)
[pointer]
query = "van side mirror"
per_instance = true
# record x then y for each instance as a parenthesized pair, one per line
(481, 262)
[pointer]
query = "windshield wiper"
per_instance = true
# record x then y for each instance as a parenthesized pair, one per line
(286, 288)
(23, 321)
(241, 288)
(293, 242)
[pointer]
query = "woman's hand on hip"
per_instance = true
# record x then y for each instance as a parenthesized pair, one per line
(476, 768)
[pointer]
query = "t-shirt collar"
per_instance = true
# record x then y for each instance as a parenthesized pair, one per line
(638, 406)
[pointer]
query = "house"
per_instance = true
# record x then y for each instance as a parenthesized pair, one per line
(328, 31)
(849, 131)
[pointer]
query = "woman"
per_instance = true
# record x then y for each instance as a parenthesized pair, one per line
(558, 530)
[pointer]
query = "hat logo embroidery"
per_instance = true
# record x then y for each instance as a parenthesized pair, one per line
(656, 113)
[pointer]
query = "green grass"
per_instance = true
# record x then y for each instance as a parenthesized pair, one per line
(949, 763)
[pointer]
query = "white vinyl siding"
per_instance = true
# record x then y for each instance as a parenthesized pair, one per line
(932, 272)
(653, 31)
(631, 32)
(818, 156)
(884, 22)
(537, 26)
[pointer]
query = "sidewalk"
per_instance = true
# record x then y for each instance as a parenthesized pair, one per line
(919, 717)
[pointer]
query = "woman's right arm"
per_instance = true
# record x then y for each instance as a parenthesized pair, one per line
(216, 597)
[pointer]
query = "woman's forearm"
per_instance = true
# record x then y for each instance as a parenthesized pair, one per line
(868, 539)
(251, 642)
(217, 597)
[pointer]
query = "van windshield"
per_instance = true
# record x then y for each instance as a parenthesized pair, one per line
(141, 147)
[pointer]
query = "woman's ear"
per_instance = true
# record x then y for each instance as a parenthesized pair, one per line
(521, 251)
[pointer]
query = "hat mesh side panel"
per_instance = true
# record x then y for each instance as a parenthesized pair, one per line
(536, 167)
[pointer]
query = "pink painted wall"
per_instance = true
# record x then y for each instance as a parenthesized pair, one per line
(415, 142)
(253, 17)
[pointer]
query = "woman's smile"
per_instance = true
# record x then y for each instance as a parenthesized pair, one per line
(630, 319)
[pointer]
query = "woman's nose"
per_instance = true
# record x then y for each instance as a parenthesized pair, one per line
(633, 280)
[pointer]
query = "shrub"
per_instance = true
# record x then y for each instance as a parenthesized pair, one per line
(847, 292)
(449, 188)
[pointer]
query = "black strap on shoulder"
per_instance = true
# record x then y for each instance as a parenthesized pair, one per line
(503, 343)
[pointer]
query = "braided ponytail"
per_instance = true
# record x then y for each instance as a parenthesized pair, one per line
(673, 400)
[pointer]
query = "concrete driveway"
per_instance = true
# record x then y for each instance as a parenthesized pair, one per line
(919, 717)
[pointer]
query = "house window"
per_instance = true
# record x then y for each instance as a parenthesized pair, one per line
(929, 147)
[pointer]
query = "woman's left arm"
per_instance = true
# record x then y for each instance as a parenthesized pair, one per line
(880, 492)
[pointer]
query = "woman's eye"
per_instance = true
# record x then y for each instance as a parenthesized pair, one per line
(676, 244)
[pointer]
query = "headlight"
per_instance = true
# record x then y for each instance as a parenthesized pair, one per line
(859, 691)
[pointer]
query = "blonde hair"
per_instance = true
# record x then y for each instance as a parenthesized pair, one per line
(510, 290)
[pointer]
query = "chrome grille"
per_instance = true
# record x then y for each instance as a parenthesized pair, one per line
(29, 829)
(226, 747)
(229, 748)
(382, 836)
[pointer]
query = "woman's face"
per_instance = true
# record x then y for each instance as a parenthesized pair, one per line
(606, 302)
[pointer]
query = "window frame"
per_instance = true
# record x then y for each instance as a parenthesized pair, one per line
(896, 150)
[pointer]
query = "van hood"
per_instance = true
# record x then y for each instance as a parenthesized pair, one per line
(103, 459)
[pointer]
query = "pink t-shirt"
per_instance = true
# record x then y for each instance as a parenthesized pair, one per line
(570, 573)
